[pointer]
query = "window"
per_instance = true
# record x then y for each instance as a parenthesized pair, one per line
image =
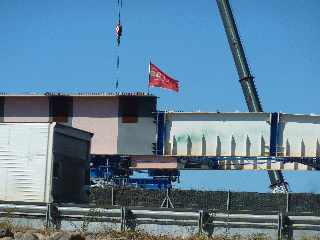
(131, 108)
(60, 108)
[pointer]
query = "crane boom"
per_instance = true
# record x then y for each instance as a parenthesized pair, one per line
(278, 183)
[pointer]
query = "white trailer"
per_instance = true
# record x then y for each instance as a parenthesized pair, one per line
(44, 163)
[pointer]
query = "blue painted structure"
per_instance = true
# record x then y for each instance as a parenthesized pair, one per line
(236, 131)
(160, 132)
(114, 170)
(274, 126)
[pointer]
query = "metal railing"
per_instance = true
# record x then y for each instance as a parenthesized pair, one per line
(129, 218)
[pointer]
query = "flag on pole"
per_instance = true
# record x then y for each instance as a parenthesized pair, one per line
(118, 32)
(158, 78)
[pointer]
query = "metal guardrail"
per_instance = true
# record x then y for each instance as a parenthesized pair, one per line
(129, 218)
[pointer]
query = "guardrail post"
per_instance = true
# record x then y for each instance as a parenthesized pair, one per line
(205, 223)
(52, 217)
(123, 219)
(48, 216)
(279, 226)
(285, 231)
(200, 222)
(112, 196)
(228, 211)
(127, 219)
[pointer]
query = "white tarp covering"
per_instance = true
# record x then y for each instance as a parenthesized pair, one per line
(23, 162)
(43, 162)
(217, 134)
(300, 135)
(241, 134)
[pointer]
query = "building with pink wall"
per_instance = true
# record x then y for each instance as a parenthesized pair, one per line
(26, 109)
(121, 123)
(98, 115)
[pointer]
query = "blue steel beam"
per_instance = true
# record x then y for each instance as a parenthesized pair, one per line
(160, 132)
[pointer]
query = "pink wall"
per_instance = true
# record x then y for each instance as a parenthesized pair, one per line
(26, 109)
(98, 115)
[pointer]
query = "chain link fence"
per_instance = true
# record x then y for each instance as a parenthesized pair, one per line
(208, 200)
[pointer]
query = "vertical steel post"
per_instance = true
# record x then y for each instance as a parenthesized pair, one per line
(285, 231)
(200, 222)
(160, 132)
(157, 134)
(279, 226)
(123, 219)
(228, 201)
(48, 216)
(228, 212)
(52, 217)
(112, 196)
(288, 203)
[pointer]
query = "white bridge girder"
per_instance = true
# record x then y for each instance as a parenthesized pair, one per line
(241, 134)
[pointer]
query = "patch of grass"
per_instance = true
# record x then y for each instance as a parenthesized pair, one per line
(140, 235)
(314, 237)
(6, 224)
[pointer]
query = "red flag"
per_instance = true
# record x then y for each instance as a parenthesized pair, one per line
(157, 78)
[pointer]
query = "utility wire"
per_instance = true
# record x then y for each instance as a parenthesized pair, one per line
(118, 38)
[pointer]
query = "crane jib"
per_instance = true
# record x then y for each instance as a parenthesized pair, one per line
(278, 183)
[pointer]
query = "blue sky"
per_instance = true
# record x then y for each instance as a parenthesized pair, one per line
(68, 45)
